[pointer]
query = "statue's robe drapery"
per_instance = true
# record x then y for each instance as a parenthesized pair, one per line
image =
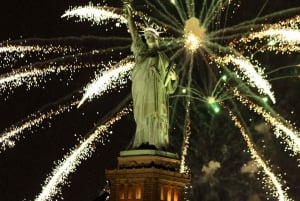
(150, 96)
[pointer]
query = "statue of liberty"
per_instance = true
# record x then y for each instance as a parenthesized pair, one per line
(152, 82)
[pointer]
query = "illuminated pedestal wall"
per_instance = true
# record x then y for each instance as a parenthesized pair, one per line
(147, 175)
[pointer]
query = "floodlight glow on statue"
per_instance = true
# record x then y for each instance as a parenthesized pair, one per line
(151, 84)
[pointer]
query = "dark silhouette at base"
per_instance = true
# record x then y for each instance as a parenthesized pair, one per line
(104, 193)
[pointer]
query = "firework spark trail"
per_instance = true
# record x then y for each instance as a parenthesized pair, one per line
(19, 51)
(170, 21)
(11, 135)
(280, 40)
(116, 76)
(98, 15)
(21, 48)
(10, 53)
(34, 48)
(284, 31)
(72, 160)
(65, 44)
(243, 29)
(292, 138)
(255, 77)
(290, 36)
(186, 143)
(167, 16)
(187, 126)
(33, 76)
(214, 10)
(190, 5)
(283, 36)
(273, 182)
(179, 7)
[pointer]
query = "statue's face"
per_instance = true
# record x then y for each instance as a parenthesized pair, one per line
(150, 40)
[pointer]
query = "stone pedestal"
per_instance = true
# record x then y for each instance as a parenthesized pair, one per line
(147, 175)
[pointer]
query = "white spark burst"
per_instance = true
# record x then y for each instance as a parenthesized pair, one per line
(272, 181)
(255, 76)
(33, 76)
(195, 34)
(286, 35)
(20, 48)
(96, 14)
(291, 136)
(114, 77)
(11, 54)
(35, 48)
(283, 36)
(73, 159)
(9, 137)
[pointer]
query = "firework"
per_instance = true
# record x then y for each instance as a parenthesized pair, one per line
(273, 183)
(11, 135)
(107, 80)
(283, 37)
(98, 15)
(213, 55)
(255, 76)
(283, 129)
(34, 76)
(73, 159)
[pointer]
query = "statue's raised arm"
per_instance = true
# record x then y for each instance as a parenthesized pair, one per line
(130, 23)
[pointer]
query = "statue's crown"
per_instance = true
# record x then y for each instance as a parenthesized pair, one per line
(152, 31)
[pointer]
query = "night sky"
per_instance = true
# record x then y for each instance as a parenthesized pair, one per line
(24, 168)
